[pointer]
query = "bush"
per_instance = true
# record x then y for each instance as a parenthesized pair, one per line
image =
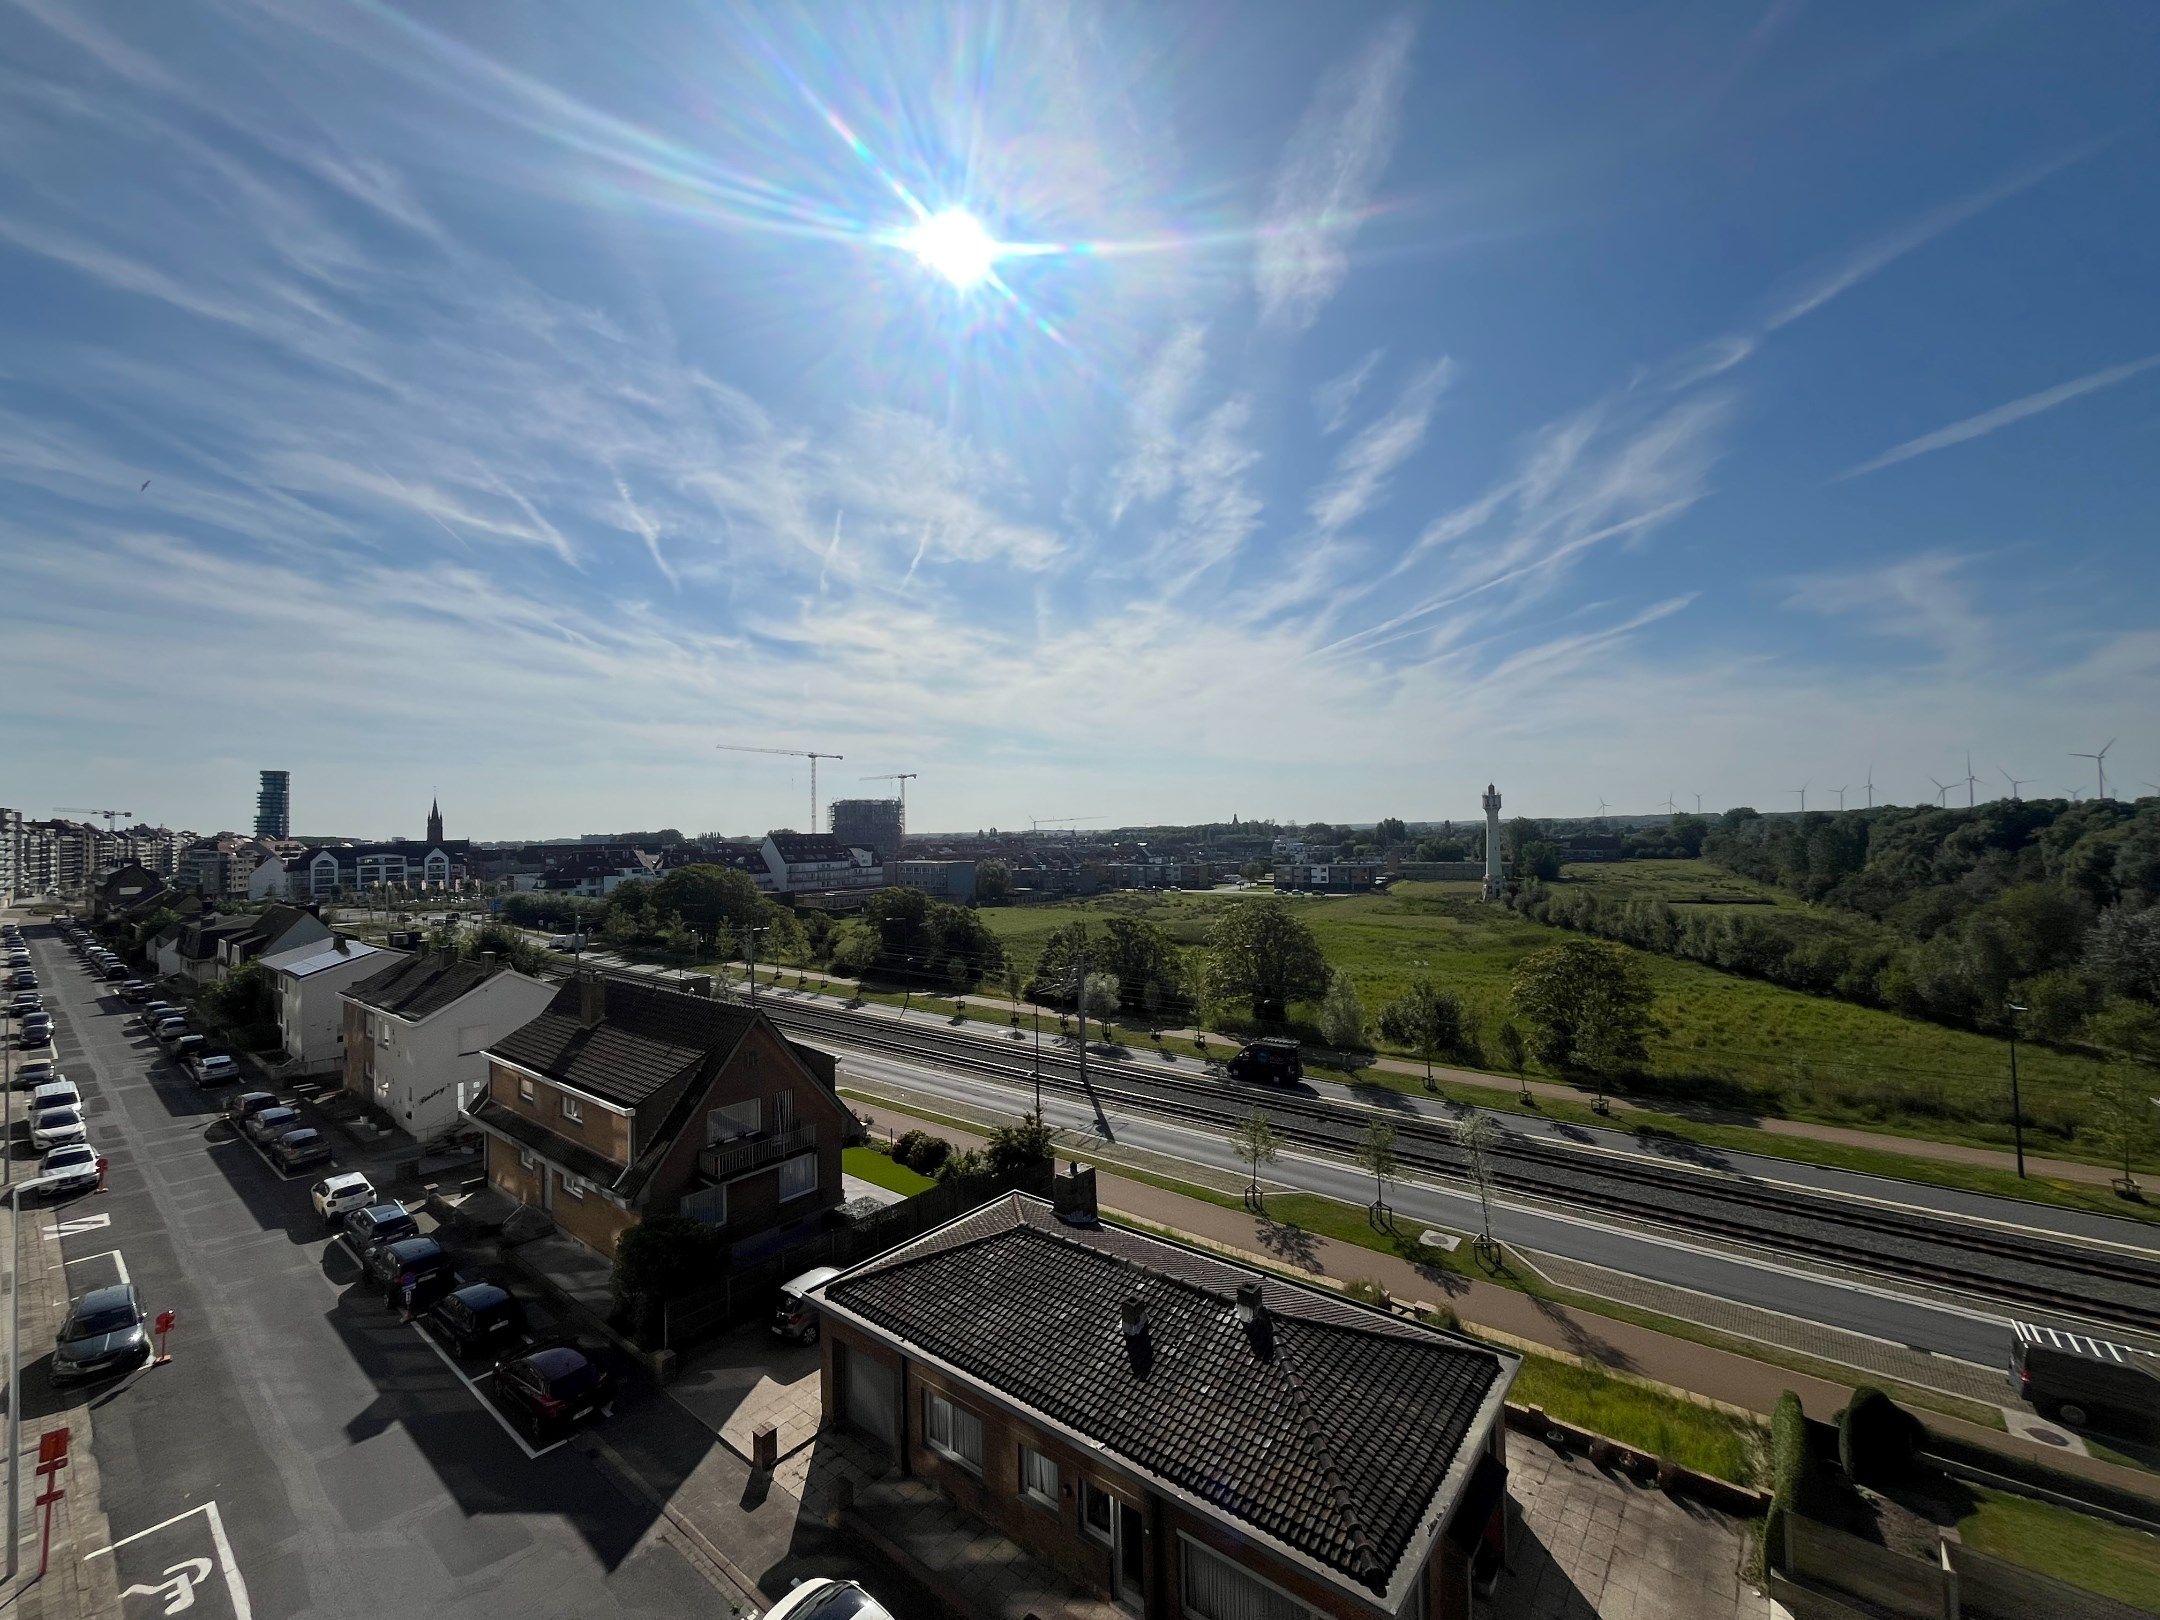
(960, 1166)
(1015, 1149)
(921, 1152)
(1876, 1438)
(1442, 1317)
(1793, 1487)
(1367, 1291)
(659, 1258)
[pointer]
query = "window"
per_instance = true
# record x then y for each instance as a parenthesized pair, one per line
(798, 1177)
(572, 1109)
(783, 1108)
(726, 1123)
(1095, 1510)
(1038, 1477)
(525, 1089)
(573, 1185)
(525, 1159)
(1216, 1589)
(952, 1431)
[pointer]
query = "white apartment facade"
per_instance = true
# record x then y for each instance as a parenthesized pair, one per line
(310, 981)
(417, 1033)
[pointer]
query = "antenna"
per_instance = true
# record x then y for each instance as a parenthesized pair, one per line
(2099, 764)
(1840, 792)
(2015, 782)
(794, 753)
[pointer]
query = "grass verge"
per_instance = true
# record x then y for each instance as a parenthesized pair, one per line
(879, 1168)
(2110, 1559)
(1697, 1437)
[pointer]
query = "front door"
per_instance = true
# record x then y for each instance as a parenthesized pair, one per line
(1128, 1555)
(547, 1188)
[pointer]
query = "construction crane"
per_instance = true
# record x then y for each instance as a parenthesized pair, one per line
(903, 778)
(111, 816)
(792, 753)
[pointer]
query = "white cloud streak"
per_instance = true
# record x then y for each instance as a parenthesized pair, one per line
(2002, 416)
(1360, 478)
(1332, 399)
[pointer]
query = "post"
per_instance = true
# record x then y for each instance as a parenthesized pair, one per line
(1038, 1064)
(2017, 1113)
(1081, 972)
(750, 935)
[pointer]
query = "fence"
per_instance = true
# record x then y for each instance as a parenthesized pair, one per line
(1823, 1573)
(748, 1290)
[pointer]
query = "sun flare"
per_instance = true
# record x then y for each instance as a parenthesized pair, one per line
(955, 245)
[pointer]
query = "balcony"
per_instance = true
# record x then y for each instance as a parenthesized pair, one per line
(745, 1153)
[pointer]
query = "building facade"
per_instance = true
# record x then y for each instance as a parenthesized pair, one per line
(273, 805)
(416, 1035)
(878, 825)
(310, 980)
(940, 880)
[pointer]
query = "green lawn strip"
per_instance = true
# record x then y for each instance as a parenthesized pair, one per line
(877, 1167)
(2095, 1554)
(1697, 1437)
(1349, 1223)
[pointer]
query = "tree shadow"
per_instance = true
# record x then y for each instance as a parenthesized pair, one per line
(1374, 1095)
(1287, 1240)
(1577, 1338)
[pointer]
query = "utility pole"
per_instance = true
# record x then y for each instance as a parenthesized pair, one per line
(2017, 1114)
(750, 934)
(1038, 1063)
(1081, 971)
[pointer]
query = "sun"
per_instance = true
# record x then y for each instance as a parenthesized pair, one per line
(955, 245)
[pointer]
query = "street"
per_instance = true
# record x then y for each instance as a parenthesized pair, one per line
(302, 1453)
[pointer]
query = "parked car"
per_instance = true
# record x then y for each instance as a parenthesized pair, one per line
(21, 1003)
(37, 1030)
(37, 1072)
(336, 1196)
(550, 1389)
(567, 942)
(480, 1318)
(378, 1224)
(417, 1270)
(103, 1333)
(134, 990)
(215, 1069)
(2076, 1378)
(56, 1092)
(169, 1029)
(116, 969)
(69, 1169)
(272, 1123)
(821, 1598)
(296, 1150)
(182, 1049)
(49, 1127)
(245, 1105)
(795, 1317)
(22, 979)
(155, 1013)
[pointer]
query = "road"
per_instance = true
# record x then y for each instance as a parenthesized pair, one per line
(303, 1454)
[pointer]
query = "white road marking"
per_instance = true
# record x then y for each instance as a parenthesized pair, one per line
(77, 1225)
(235, 1587)
(118, 1259)
(473, 1388)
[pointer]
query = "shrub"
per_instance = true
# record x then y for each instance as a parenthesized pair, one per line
(659, 1258)
(1876, 1437)
(1014, 1149)
(1367, 1291)
(921, 1152)
(959, 1166)
(1442, 1317)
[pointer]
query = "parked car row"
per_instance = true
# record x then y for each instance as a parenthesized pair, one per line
(166, 1022)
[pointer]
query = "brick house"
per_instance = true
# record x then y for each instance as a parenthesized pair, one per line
(1183, 1435)
(624, 1099)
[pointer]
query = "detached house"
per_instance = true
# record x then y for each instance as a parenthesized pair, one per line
(624, 1099)
(310, 979)
(417, 1034)
(270, 932)
(1194, 1440)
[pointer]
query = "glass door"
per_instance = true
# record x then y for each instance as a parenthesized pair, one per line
(1128, 1555)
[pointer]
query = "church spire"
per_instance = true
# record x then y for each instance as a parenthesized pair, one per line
(434, 821)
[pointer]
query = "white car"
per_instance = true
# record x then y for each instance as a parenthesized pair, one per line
(69, 1168)
(334, 1196)
(821, 1599)
(58, 1092)
(50, 1127)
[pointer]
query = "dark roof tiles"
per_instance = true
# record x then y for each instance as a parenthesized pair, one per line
(423, 985)
(647, 1038)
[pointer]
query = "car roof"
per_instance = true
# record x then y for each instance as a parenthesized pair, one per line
(346, 1179)
(303, 1131)
(480, 1295)
(414, 1248)
(810, 1279)
(384, 1212)
(557, 1359)
(71, 1150)
(111, 1294)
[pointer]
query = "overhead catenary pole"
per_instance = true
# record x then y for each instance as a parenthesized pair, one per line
(2017, 1113)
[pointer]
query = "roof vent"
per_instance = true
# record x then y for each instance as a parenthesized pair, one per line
(1135, 1317)
(1251, 1309)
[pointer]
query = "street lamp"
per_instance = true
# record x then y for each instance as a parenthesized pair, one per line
(2017, 1114)
(14, 1398)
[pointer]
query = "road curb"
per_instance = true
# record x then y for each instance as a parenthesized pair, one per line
(624, 1469)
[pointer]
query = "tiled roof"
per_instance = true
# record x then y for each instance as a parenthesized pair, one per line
(646, 1039)
(422, 985)
(795, 846)
(1333, 1430)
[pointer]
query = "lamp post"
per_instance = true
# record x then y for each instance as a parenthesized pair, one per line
(2017, 1114)
(14, 1398)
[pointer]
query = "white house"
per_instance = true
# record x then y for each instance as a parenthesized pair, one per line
(800, 863)
(417, 1033)
(310, 978)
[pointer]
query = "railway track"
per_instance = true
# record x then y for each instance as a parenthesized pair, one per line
(2021, 1271)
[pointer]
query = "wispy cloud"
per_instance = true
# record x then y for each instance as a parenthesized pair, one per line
(1360, 477)
(2002, 416)
(1332, 399)
(1149, 466)
(1926, 599)
(1328, 175)
(1217, 509)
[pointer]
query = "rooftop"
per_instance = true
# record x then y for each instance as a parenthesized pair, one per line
(422, 985)
(1333, 1430)
(645, 1038)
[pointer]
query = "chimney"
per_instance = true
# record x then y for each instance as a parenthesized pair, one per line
(1135, 1311)
(1251, 1309)
(592, 999)
(340, 944)
(1072, 1196)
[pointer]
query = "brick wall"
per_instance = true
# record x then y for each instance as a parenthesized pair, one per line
(603, 1131)
(507, 1175)
(592, 1220)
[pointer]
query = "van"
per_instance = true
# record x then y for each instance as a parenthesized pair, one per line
(567, 942)
(1270, 1061)
(2075, 1378)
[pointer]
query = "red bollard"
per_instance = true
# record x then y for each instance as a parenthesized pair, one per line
(164, 1326)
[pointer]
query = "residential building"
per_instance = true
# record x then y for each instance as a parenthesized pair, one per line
(56, 857)
(941, 880)
(269, 932)
(11, 822)
(1183, 1435)
(124, 889)
(1331, 877)
(325, 871)
(273, 805)
(311, 980)
(222, 868)
(417, 1034)
(809, 863)
(624, 1099)
(1591, 846)
(878, 825)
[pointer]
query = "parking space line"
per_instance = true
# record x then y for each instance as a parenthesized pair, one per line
(235, 1586)
(118, 1259)
(472, 1386)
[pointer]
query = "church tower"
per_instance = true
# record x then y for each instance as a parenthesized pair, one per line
(434, 822)
(1493, 883)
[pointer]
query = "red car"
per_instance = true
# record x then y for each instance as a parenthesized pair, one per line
(548, 1390)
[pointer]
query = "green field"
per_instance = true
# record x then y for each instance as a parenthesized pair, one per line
(876, 1167)
(1726, 1043)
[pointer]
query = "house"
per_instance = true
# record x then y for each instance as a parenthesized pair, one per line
(122, 887)
(417, 1033)
(267, 933)
(807, 863)
(1328, 877)
(310, 981)
(624, 1099)
(1183, 1435)
(1592, 846)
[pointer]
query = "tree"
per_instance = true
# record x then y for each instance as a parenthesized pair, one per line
(1263, 954)
(1390, 831)
(1102, 1000)
(1012, 989)
(1376, 1152)
(1588, 1007)
(993, 882)
(1538, 858)
(1342, 1016)
(1254, 1140)
(2123, 951)
(1426, 1019)
(711, 900)
(2124, 1093)
(1480, 1140)
(1015, 1149)
(1513, 1053)
(244, 998)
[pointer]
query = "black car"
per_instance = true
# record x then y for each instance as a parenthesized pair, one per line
(377, 1224)
(296, 1150)
(479, 1317)
(245, 1105)
(103, 1334)
(549, 1389)
(183, 1050)
(414, 1272)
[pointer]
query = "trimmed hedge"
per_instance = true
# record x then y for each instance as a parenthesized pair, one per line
(1876, 1438)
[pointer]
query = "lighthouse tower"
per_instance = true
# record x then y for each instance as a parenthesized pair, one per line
(1492, 842)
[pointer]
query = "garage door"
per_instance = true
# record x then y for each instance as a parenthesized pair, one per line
(872, 1393)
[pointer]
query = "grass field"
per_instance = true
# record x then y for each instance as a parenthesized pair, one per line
(2111, 1559)
(1722, 1039)
(1694, 1436)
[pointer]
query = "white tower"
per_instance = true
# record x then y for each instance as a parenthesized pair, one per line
(1493, 884)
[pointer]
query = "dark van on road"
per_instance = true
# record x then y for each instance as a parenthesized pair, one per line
(2078, 1379)
(1270, 1061)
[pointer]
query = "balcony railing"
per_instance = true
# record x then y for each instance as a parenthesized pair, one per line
(725, 1159)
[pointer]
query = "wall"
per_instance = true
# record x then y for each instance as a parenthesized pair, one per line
(604, 1131)
(356, 1049)
(592, 1220)
(509, 1176)
(1987, 1584)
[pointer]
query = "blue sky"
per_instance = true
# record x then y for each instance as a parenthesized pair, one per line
(1612, 402)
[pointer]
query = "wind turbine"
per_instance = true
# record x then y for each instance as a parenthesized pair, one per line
(2077, 795)
(2099, 764)
(1698, 804)
(1602, 806)
(1871, 785)
(1942, 794)
(1671, 809)
(2155, 786)
(2015, 782)
(1840, 792)
(1802, 791)
(1970, 779)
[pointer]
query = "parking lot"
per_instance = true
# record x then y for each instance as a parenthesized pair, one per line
(304, 1452)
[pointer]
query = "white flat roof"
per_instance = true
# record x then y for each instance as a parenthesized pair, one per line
(303, 960)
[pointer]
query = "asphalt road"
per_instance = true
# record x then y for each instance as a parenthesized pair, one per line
(303, 1454)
